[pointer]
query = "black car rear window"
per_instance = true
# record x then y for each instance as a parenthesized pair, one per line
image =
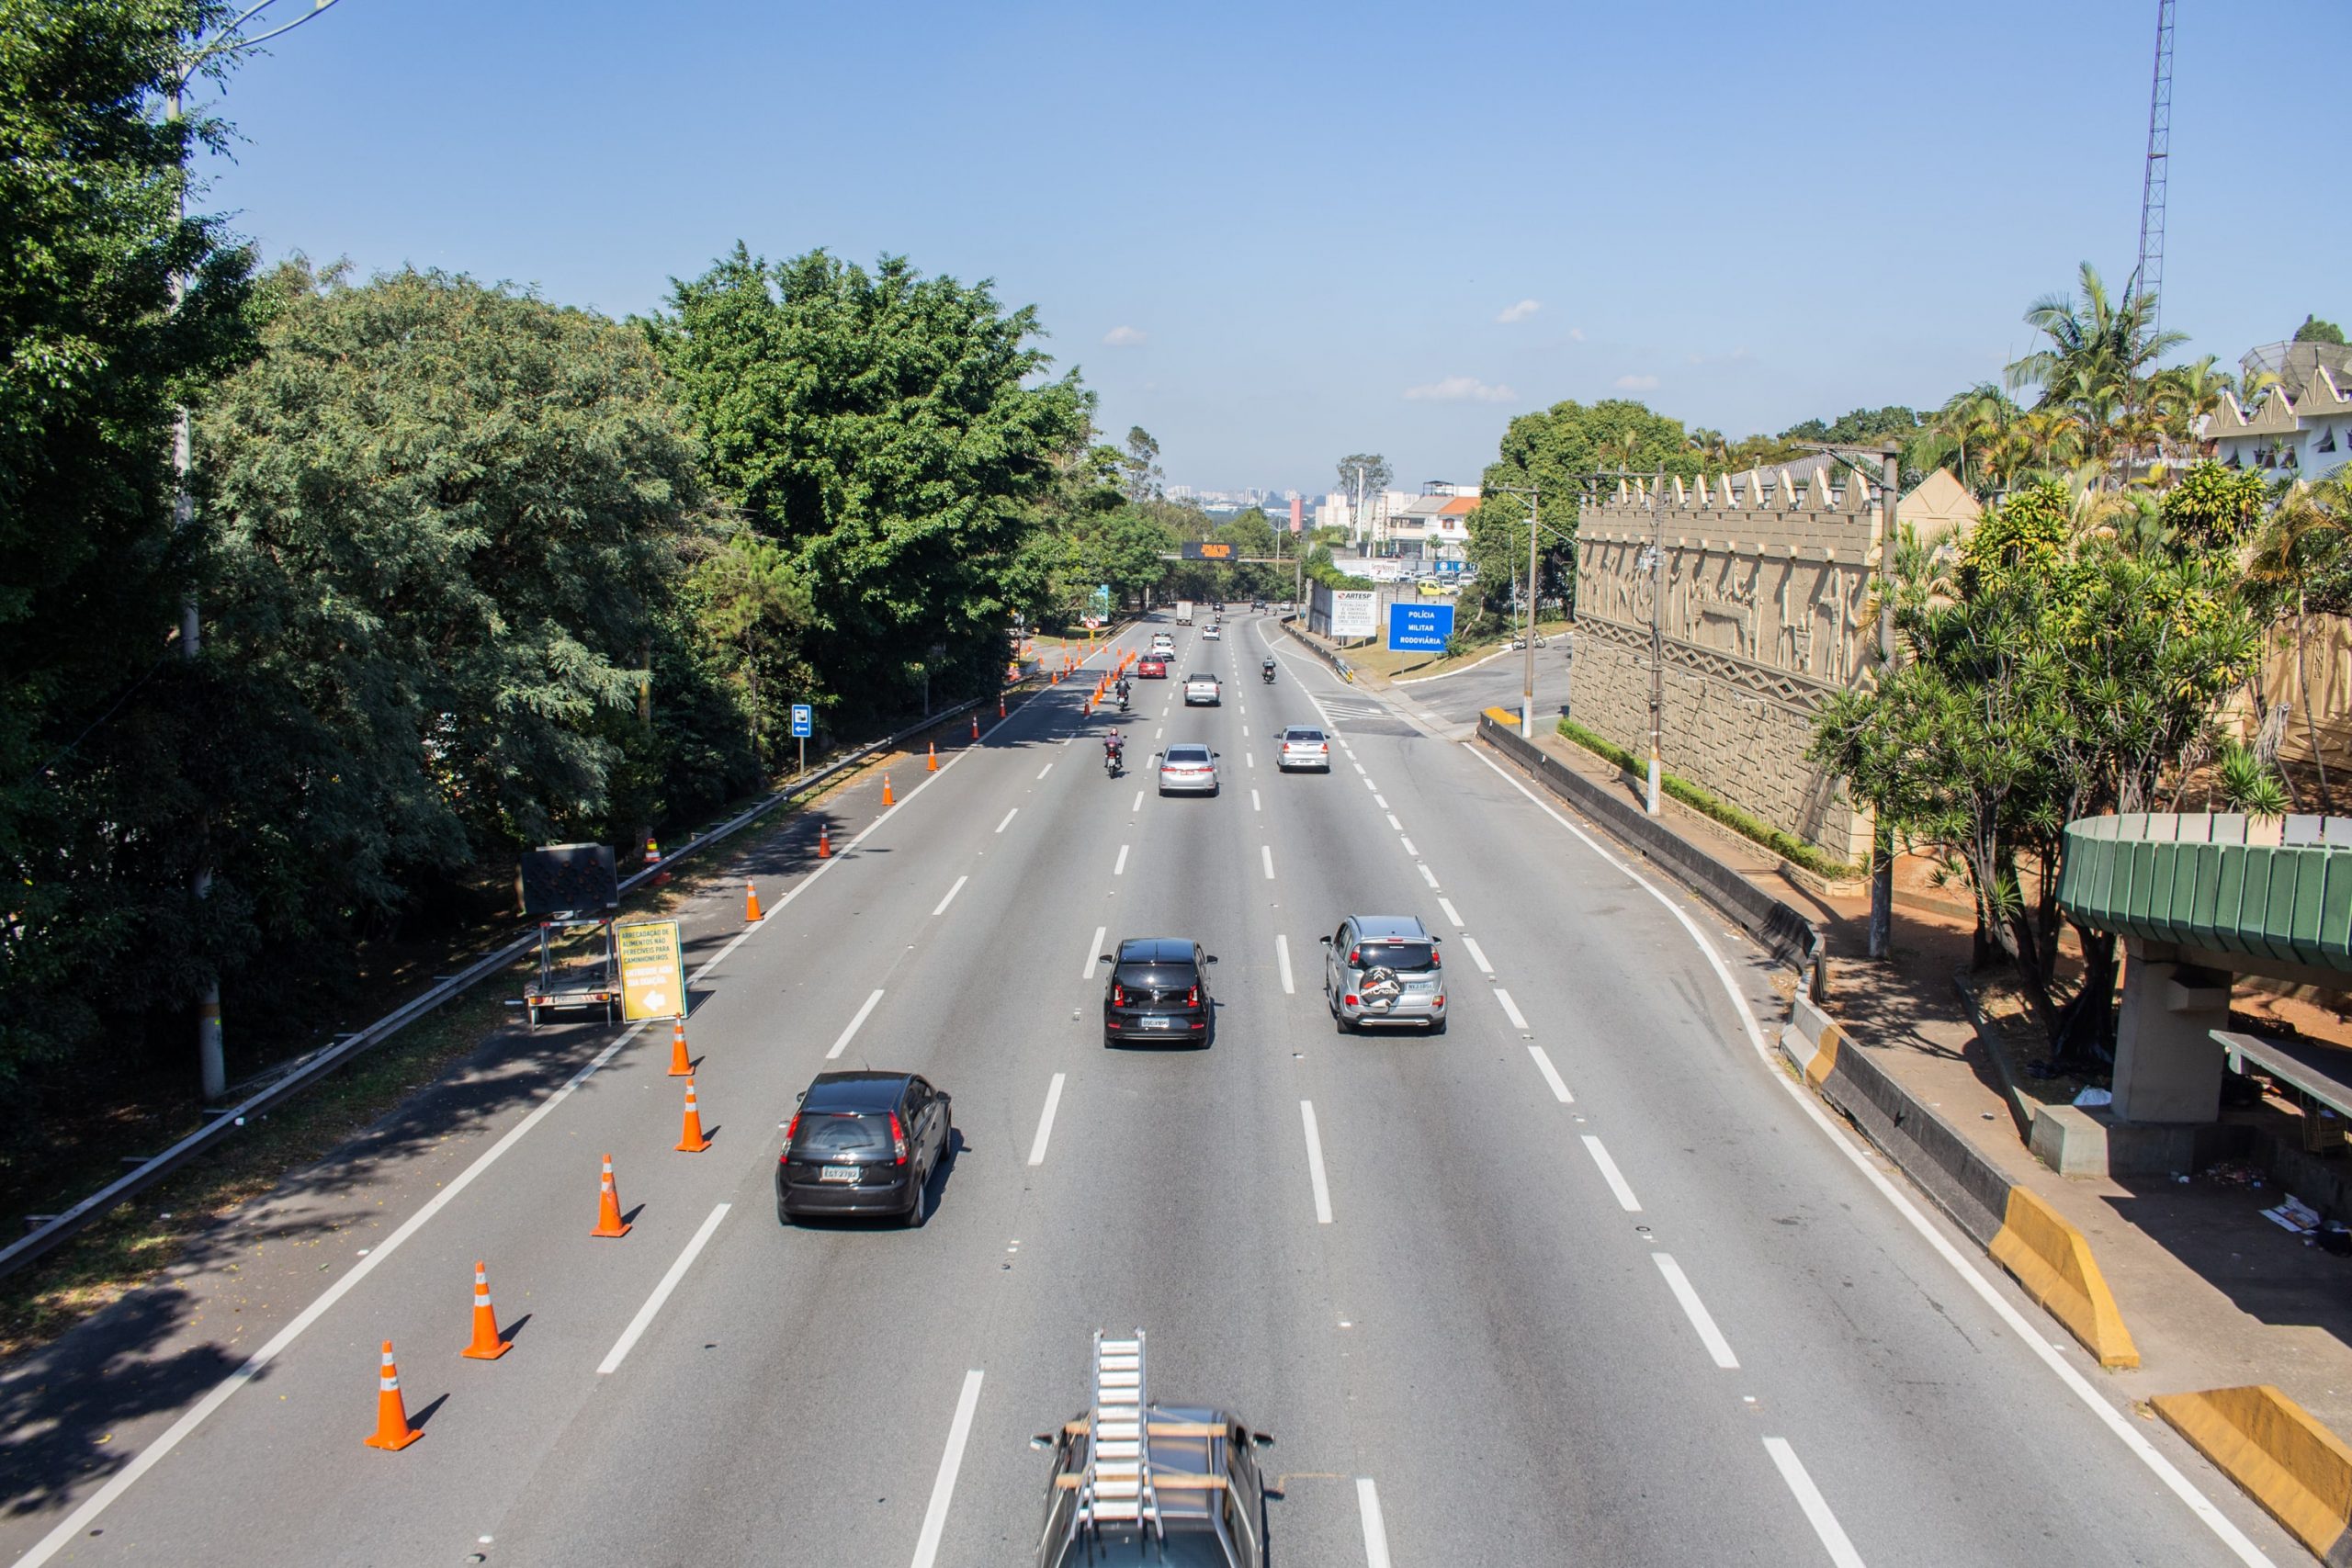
(831, 1135)
(1398, 956)
(1155, 976)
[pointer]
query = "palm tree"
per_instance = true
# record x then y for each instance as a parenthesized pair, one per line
(1963, 433)
(2100, 360)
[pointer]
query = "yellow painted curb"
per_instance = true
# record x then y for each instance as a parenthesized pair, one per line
(1824, 1057)
(1503, 716)
(2279, 1454)
(2053, 1260)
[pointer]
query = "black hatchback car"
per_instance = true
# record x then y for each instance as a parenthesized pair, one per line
(1158, 990)
(864, 1142)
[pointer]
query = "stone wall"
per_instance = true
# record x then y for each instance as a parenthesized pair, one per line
(1762, 592)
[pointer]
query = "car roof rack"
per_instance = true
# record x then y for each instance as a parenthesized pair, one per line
(1117, 1483)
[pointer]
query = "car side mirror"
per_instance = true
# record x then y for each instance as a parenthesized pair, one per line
(1042, 1440)
(1263, 1439)
(1327, 941)
(1212, 957)
(1214, 755)
(798, 1096)
(1108, 959)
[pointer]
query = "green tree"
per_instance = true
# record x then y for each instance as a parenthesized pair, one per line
(1139, 465)
(2099, 363)
(891, 431)
(2313, 330)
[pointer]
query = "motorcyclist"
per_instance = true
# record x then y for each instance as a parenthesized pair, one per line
(1114, 753)
(1267, 669)
(1123, 693)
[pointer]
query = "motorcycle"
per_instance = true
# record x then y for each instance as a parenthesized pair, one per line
(1267, 671)
(1114, 762)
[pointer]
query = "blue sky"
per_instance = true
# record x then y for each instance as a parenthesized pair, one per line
(1276, 234)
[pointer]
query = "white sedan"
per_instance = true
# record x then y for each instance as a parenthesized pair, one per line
(1202, 691)
(1188, 769)
(1302, 747)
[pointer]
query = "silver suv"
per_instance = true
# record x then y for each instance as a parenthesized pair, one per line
(1384, 969)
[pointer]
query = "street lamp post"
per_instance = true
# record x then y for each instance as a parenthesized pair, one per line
(230, 38)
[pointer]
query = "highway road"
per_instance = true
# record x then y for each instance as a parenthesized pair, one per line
(1584, 1281)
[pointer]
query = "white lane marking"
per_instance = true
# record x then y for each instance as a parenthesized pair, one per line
(1816, 1507)
(176, 1433)
(960, 1432)
(1159, 732)
(1357, 766)
(1380, 800)
(1376, 1531)
(1428, 876)
(1008, 820)
(1696, 1311)
(644, 1318)
(1048, 767)
(941, 907)
(843, 1043)
(2034, 1339)
(1551, 1076)
(1094, 952)
(1477, 953)
(1511, 1009)
(1254, 805)
(1408, 846)
(1614, 1176)
(1315, 1164)
(1120, 869)
(1138, 805)
(1248, 758)
(1266, 854)
(1394, 823)
(1244, 732)
(1045, 1121)
(1451, 912)
(1375, 788)
(1282, 959)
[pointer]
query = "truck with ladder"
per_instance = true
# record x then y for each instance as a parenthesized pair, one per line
(1139, 1481)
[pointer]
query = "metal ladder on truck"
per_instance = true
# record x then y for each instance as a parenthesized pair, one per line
(1118, 1471)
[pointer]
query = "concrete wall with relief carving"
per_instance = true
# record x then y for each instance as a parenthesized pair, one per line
(1763, 599)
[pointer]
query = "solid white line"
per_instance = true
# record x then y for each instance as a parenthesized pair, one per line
(1266, 853)
(1451, 913)
(1610, 1174)
(1045, 1121)
(1551, 1076)
(1511, 1009)
(960, 1432)
(1138, 805)
(843, 1043)
(1315, 1164)
(1408, 846)
(1253, 802)
(1394, 823)
(1816, 1506)
(176, 1433)
(1478, 954)
(1696, 1311)
(1094, 952)
(1008, 820)
(1281, 958)
(1428, 876)
(1375, 1531)
(2034, 1339)
(941, 907)
(1121, 868)
(644, 1317)
(1048, 768)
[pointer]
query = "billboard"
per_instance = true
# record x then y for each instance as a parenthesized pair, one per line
(1356, 613)
(1423, 627)
(1206, 549)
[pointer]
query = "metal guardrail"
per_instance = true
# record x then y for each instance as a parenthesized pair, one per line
(1327, 655)
(227, 1120)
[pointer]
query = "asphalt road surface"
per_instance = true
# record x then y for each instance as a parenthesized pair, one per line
(1583, 1281)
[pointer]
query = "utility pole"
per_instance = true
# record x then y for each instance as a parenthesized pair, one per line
(1658, 654)
(1882, 928)
(1527, 675)
(211, 1062)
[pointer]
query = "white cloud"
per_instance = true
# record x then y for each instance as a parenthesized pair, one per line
(1637, 383)
(1575, 335)
(1519, 311)
(1124, 337)
(1459, 390)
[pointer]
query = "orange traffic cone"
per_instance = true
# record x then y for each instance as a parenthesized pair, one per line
(679, 1066)
(487, 1345)
(999, 706)
(609, 1223)
(935, 758)
(750, 902)
(392, 1430)
(652, 852)
(690, 1140)
(886, 791)
(976, 726)
(824, 843)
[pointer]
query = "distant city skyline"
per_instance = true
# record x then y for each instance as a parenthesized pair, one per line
(1759, 218)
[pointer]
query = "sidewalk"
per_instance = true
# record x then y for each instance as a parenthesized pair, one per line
(2215, 1294)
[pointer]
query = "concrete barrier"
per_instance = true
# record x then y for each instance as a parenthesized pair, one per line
(2279, 1456)
(1782, 929)
(1327, 655)
(2053, 1260)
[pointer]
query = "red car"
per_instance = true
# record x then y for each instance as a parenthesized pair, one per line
(1151, 667)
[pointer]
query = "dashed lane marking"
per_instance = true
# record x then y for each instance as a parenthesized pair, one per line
(1045, 1121)
(1451, 912)
(1612, 1175)
(1282, 962)
(1008, 820)
(644, 1318)
(1479, 955)
(1121, 868)
(1816, 1507)
(1551, 1076)
(1315, 1176)
(843, 1043)
(1094, 952)
(1696, 1311)
(943, 1488)
(941, 907)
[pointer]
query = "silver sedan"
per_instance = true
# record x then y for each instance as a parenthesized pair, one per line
(1188, 769)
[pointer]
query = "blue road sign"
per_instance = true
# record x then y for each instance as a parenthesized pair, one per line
(803, 721)
(1419, 626)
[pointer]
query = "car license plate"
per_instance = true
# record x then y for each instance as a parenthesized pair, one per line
(1159, 1024)
(839, 1173)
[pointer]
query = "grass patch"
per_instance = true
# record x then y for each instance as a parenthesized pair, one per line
(1418, 662)
(1788, 846)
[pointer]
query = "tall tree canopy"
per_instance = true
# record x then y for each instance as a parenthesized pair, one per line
(890, 431)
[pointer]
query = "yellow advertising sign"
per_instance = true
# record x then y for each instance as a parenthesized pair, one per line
(653, 970)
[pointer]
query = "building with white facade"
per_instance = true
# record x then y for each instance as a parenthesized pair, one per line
(2299, 426)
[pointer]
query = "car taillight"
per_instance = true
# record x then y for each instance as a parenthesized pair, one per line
(1118, 995)
(1193, 997)
(1437, 959)
(898, 1138)
(783, 1157)
(1352, 1001)
(1355, 956)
